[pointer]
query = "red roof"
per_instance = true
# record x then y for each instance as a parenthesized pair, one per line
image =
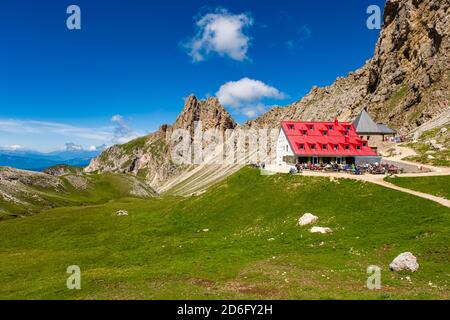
(325, 139)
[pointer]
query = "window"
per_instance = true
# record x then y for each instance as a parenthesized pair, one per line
(358, 147)
(330, 128)
(364, 144)
(305, 132)
(311, 127)
(287, 148)
(347, 147)
(291, 127)
(336, 147)
(346, 133)
(313, 147)
(324, 147)
(368, 138)
(325, 133)
(302, 146)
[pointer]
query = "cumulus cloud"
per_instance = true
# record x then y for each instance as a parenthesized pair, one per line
(246, 95)
(222, 33)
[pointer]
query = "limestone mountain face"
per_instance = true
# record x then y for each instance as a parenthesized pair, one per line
(210, 112)
(150, 157)
(145, 157)
(405, 84)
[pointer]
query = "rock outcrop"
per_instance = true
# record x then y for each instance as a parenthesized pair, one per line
(306, 219)
(405, 84)
(150, 157)
(210, 112)
(62, 169)
(122, 213)
(322, 230)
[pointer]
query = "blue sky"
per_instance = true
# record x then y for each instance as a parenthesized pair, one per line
(133, 62)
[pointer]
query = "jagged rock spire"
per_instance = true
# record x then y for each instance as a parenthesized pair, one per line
(210, 112)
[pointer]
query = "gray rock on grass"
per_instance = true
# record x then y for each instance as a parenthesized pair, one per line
(405, 261)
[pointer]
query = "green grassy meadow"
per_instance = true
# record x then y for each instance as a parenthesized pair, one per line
(99, 189)
(253, 248)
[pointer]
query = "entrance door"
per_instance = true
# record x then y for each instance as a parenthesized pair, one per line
(315, 160)
(339, 160)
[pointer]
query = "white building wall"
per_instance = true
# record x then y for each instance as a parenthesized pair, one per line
(283, 148)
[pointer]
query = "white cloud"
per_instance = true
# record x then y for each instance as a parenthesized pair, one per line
(15, 147)
(70, 146)
(245, 96)
(118, 132)
(42, 127)
(222, 33)
(122, 133)
(252, 111)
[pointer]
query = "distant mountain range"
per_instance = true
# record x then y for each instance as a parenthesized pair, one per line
(38, 161)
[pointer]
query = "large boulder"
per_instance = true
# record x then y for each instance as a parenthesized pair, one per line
(320, 230)
(406, 261)
(306, 219)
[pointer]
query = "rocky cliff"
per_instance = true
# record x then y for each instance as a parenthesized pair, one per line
(150, 157)
(405, 84)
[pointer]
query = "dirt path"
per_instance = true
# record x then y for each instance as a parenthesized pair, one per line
(401, 152)
(379, 179)
(405, 152)
(442, 201)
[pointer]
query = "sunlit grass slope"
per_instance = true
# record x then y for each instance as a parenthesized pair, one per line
(238, 240)
(438, 185)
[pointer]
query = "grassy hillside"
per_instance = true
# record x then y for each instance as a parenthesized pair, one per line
(70, 190)
(252, 249)
(438, 186)
(426, 153)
